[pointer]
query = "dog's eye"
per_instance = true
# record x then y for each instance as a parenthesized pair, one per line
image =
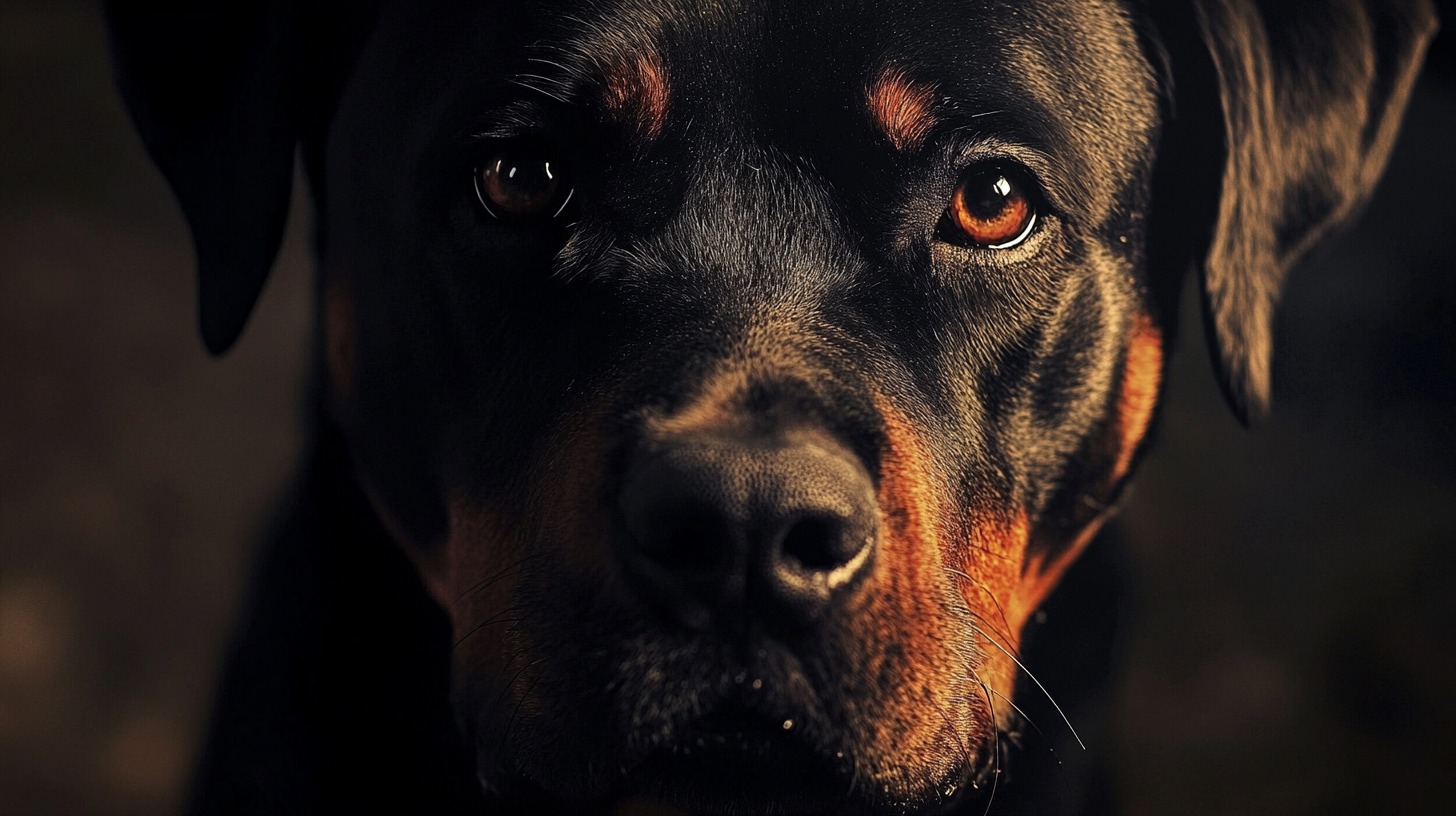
(518, 183)
(992, 208)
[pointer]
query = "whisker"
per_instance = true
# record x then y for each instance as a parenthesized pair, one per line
(1062, 779)
(1038, 683)
(1006, 631)
(1014, 658)
(1022, 715)
(995, 748)
(551, 82)
(493, 619)
(510, 722)
(1032, 723)
(480, 585)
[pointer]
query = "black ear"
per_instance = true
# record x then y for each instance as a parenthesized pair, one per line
(1283, 114)
(213, 89)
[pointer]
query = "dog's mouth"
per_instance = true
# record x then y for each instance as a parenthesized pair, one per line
(747, 752)
(741, 758)
(746, 755)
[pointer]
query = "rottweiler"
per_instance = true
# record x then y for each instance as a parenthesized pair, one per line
(709, 393)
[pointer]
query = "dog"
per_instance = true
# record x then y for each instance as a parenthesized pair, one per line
(709, 395)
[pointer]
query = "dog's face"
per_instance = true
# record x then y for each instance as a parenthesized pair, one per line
(741, 376)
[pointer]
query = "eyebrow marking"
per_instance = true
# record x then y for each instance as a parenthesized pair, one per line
(903, 109)
(635, 93)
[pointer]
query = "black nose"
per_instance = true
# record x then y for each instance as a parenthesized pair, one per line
(722, 531)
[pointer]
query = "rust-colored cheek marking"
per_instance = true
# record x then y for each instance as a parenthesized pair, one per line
(340, 336)
(635, 94)
(1142, 376)
(903, 109)
(558, 530)
(990, 559)
(907, 495)
(474, 578)
(904, 623)
(476, 568)
(560, 525)
(568, 498)
(978, 555)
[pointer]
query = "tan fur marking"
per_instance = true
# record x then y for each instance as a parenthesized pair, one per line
(710, 411)
(979, 557)
(995, 546)
(636, 94)
(1142, 374)
(491, 549)
(903, 109)
(903, 621)
(1141, 378)
(907, 488)
(1042, 574)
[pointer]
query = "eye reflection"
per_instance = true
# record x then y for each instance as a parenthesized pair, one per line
(991, 208)
(518, 183)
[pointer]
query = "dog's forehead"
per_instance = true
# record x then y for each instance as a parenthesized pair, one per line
(1068, 78)
(1065, 74)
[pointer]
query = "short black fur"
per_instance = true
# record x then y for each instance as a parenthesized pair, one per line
(755, 257)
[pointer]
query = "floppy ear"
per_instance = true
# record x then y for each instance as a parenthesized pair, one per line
(1283, 115)
(213, 89)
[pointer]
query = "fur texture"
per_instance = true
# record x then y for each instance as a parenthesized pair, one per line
(754, 260)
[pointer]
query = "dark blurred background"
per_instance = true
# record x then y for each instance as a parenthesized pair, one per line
(1294, 642)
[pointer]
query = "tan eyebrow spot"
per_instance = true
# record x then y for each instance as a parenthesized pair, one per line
(636, 93)
(902, 108)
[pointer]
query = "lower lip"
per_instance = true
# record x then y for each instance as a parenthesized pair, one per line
(741, 763)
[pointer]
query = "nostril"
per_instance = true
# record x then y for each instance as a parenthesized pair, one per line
(816, 543)
(687, 542)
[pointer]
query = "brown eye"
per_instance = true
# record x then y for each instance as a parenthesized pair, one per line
(991, 208)
(522, 184)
